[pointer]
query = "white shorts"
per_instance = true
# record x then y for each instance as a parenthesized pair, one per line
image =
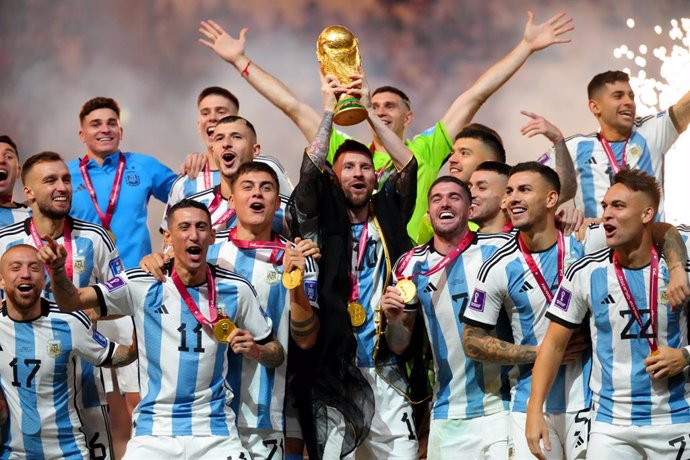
(392, 433)
(120, 330)
(479, 438)
(183, 447)
(263, 444)
(639, 442)
(568, 434)
(96, 428)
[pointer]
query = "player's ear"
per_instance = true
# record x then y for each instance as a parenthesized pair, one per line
(648, 215)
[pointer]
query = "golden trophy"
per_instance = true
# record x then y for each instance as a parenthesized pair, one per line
(337, 52)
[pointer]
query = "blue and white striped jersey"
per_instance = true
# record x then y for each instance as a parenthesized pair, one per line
(371, 277)
(259, 391)
(9, 216)
(464, 388)
(182, 368)
(651, 138)
(623, 392)
(184, 187)
(38, 381)
(505, 281)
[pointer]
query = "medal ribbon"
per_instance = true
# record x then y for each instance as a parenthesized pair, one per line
(653, 295)
(380, 172)
(276, 245)
(354, 280)
(67, 238)
(543, 285)
(215, 204)
(443, 263)
(193, 308)
(114, 193)
(207, 177)
(609, 153)
(508, 227)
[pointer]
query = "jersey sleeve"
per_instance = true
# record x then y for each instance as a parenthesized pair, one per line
(108, 263)
(251, 315)
(659, 133)
(90, 344)
(115, 296)
(175, 196)
(569, 307)
(162, 179)
(311, 287)
(432, 147)
(595, 238)
(487, 298)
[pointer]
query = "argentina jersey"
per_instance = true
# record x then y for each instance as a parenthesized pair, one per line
(464, 388)
(505, 281)
(370, 273)
(16, 213)
(623, 392)
(38, 381)
(181, 367)
(259, 391)
(651, 138)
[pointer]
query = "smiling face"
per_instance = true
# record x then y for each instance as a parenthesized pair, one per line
(487, 189)
(255, 199)
(625, 215)
(190, 233)
(393, 111)
(9, 168)
(467, 153)
(48, 189)
(614, 106)
(449, 209)
(530, 200)
(211, 109)
(355, 173)
(101, 132)
(233, 144)
(23, 278)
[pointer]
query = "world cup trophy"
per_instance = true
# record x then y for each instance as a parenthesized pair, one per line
(337, 52)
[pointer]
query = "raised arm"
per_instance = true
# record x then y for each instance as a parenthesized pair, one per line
(67, 296)
(564, 163)
(680, 113)
(394, 145)
(667, 237)
(231, 50)
(481, 346)
(536, 37)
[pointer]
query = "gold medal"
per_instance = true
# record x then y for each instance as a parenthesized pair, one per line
(407, 289)
(292, 279)
(655, 352)
(357, 313)
(222, 329)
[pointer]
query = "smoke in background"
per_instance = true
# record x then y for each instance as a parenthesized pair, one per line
(56, 55)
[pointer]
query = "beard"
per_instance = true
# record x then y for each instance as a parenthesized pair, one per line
(357, 203)
(19, 302)
(51, 213)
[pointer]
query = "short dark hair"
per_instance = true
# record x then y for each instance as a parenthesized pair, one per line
(351, 145)
(453, 180)
(605, 78)
(394, 90)
(640, 181)
(495, 166)
(33, 160)
(219, 91)
(255, 166)
(233, 119)
(5, 139)
(98, 103)
(548, 174)
(187, 203)
(487, 136)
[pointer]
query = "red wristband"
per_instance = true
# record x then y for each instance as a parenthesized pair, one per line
(245, 72)
(258, 353)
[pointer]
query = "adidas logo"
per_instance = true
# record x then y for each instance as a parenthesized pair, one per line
(80, 188)
(608, 300)
(430, 287)
(526, 287)
(592, 161)
(162, 310)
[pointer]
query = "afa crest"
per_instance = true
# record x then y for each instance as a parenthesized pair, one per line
(54, 348)
(79, 263)
(132, 179)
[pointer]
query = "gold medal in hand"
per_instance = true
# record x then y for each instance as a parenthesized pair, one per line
(407, 289)
(222, 329)
(357, 313)
(292, 279)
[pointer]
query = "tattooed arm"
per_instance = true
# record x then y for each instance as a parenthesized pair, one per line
(676, 255)
(123, 355)
(481, 346)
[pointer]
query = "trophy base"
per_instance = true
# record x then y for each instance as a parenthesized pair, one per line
(349, 111)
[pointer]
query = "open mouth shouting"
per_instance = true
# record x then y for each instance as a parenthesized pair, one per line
(609, 230)
(194, 252)
(3, 175)
(228, 158)
(257, 207)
